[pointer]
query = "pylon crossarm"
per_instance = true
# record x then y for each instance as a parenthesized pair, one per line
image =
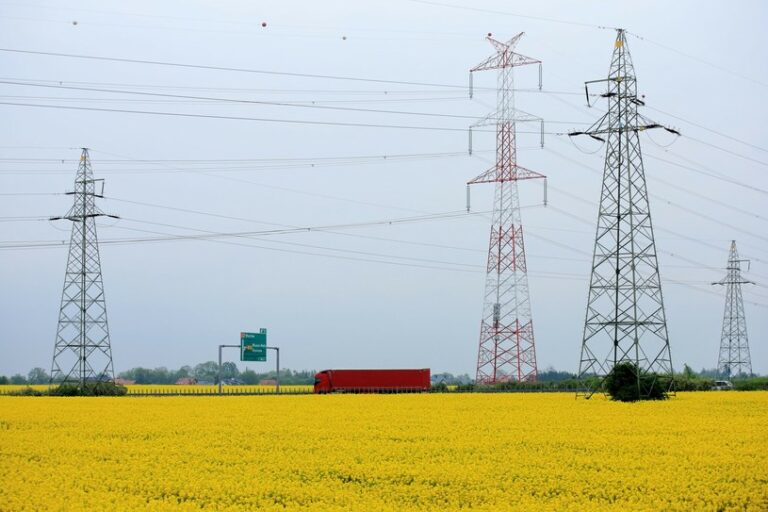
(520, 173)
(504, 56)
(597, 127)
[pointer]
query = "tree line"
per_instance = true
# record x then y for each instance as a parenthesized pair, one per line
(207, 372)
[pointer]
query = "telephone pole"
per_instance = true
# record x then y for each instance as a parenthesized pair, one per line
(82, 352)
(506, 350)
(625, 318)
(734, 357)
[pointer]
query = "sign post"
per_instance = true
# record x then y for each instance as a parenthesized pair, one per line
(277, 379)
(253, 347)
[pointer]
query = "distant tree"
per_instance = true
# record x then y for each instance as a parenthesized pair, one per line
(464, 378)
(182, 373)
(18, 379)
(38, 376)
(552, 375)
(4, 379)
(229, 370)
(249, 377)
(708, 373)
(161, 375)
(206, 372)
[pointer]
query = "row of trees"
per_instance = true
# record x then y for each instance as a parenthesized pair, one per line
(209, 371)
(203, 372)
(687, 380)
(35, 376)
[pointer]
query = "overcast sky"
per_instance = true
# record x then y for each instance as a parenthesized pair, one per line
(401, 294)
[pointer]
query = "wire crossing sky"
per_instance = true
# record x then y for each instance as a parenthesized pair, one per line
(302, 168)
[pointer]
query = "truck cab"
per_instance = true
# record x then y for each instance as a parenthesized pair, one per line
(323, 382)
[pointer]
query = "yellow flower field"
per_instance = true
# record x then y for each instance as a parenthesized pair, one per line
(441, 452)
(138, 389)
(212, 388)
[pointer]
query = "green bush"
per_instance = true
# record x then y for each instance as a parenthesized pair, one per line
(751, 384)
(626, 383)
(27, 392)
(440, 387)
(89, 389)
(682, 383)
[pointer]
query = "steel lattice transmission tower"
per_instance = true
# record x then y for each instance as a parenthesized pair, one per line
(625, 318)
(734, 346)
(83, 352)
(506, 350)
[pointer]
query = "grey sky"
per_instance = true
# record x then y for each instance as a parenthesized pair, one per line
(320, 294)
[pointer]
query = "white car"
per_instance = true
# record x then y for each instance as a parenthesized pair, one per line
(722, 385)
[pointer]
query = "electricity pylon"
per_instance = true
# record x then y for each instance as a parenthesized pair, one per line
(506, 349)
(734, 346)
(82, 352)
(625, 318)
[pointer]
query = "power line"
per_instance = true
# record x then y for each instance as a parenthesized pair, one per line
(239, 101)
(705, 172)
(698, 125)
(700, 60)
(689, 210)
(231, 69)
(726, 150)
(257, 119)
(311, 105)
(212, 236)
(306, 75)
(366, 92)
(286, 230)
(230, 165)
(310, 246)
(298, 229)
(659, 228)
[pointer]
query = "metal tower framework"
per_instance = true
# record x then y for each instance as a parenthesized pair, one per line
(625, 318)
(82, 352)
(734, 346)
(506, 349)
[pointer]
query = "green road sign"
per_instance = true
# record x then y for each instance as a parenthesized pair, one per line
(253, 346)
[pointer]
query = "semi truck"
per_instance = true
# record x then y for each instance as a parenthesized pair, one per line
(372, 381)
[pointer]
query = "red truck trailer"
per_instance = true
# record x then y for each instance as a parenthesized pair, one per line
(372, 381)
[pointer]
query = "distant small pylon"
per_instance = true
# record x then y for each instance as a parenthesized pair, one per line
(734, 356)
(82, 352)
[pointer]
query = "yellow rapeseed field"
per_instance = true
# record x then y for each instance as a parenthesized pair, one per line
(138, 389)
(213, 388)
(437, 452)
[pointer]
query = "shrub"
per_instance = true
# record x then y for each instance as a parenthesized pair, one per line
(440, 387)
(751, 384)
(27, 392)
(90, 389)
(627, 383)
